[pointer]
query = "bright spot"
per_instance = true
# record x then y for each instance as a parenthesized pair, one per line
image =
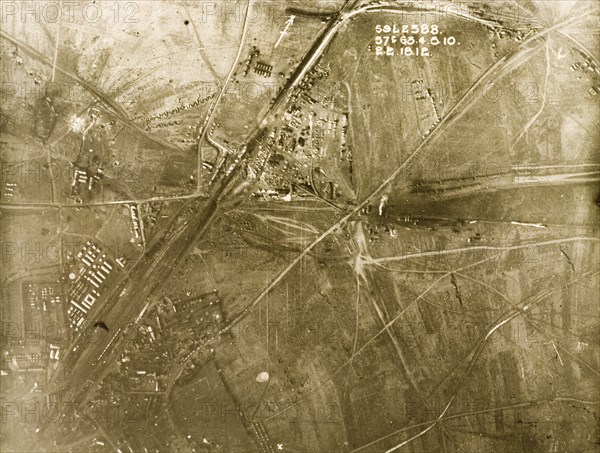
(77, 124)
(384, 199)
(262, 377)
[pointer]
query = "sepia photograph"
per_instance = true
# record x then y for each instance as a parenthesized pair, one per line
(302, 226)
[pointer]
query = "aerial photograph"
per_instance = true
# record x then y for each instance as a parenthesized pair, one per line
(302, 226)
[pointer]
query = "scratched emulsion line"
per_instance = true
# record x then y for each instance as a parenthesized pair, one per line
(58, 26)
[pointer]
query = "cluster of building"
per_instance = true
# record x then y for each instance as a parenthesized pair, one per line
(22, 361)
(167, 333)
(43, 312)
(310, 134)
(143, 362)
(27, 343)
(279, 177)
(425, 103)
(263, 69)
(181, 108)
(149, 215)
(49, 294)
(137, 228)
(254, 53)
(587, 64)
(41, 300)
(54, 352)
(193, 322)
(9, 189)
(308, 83)
(144, 368)
(82, 177)
(374, 230)
(260, 67)
(87, 282)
